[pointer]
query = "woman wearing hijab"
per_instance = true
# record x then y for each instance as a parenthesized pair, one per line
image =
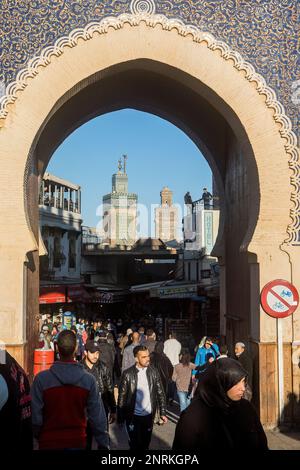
(219, 416)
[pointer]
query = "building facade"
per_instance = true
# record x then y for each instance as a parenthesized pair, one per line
(166, 217)
(200, 231)
(120, 211)
(200, 227)
(60, 226)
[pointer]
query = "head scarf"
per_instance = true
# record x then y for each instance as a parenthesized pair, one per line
(219, 377)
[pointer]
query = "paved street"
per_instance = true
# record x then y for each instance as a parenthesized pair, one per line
(162, 437)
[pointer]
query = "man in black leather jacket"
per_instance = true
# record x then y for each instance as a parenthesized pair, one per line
(140, 394)
(93, 364)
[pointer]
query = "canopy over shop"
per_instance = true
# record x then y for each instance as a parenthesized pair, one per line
(84, 300)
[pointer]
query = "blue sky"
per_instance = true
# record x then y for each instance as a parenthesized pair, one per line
(159, 154)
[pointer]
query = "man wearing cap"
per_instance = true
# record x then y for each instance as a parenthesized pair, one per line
(92, 364)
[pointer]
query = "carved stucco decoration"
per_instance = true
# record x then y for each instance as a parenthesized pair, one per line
(144, 11)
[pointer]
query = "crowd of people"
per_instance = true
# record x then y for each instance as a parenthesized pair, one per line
(104, 373)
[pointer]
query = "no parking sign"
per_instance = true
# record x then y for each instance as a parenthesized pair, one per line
(279, 298)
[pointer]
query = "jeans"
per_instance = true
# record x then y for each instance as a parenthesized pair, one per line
(184, 401)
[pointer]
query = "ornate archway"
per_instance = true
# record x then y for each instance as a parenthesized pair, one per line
(258, 151)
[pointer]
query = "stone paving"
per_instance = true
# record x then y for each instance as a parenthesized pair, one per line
(162, 436)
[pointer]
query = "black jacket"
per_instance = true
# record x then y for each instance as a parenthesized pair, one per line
(127, 393)
(202, 428)
(104, 382)
(246, 362)
(107, 354)
(213, 421)
(164, 366)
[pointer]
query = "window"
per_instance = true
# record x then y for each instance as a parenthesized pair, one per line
(205, 273)
(189, 271)
(45, 261)
(72, 252)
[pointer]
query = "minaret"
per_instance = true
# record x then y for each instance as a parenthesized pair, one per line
(120, 209)
(125, 158)
(166, 196)
(166, 217)
(120, 179)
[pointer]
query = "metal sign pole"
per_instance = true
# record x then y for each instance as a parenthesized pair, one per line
(280, 370)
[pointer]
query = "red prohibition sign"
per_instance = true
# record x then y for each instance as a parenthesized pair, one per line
(279, 298)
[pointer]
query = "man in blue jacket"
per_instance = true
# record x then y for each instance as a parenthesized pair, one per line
(208, 348)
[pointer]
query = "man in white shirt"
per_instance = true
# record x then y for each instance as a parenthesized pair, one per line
(172, 349)
(140, 393)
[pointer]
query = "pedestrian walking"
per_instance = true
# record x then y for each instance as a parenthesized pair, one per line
(182, 377)
(172, 349)
(92, 364)
(143, 338)
(140, 394)
(223, 352)
(162, 363)
(107, 351)
(15, 406)
(151, 340)
(128, 359)
(63, 398)
(219, 417)
(246, 362)
(208, 348)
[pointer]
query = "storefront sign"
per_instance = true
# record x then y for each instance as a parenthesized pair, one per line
(208, 231)
(174, 292)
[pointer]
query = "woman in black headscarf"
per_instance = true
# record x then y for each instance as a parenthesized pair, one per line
(219, 417)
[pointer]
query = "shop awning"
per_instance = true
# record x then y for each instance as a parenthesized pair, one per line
(77, 293)
(54, 294)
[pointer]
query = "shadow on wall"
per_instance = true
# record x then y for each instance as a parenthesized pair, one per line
(291, 416)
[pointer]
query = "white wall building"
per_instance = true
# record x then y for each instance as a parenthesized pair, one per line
(200, 230)
(60, 225)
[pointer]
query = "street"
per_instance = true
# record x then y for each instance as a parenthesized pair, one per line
(162, 436)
